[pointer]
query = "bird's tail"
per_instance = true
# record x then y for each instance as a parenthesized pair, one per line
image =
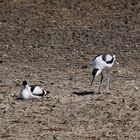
(46, 92)
(95, 72)
(114, 56)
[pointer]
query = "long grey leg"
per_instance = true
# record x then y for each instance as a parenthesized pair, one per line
(92, 80)
(102, 77)
(108, 81)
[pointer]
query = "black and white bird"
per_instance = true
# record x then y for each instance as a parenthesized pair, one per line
(32, 91)
(101, 62)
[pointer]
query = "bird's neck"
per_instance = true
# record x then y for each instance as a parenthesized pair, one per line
(26, 87)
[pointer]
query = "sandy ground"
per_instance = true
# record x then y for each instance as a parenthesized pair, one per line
(51, 43)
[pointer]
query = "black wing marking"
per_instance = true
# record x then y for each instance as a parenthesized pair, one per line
(108, 62)
(104, 57)
(42, 94)
(32, 87)
(111, 61)
(96, 56)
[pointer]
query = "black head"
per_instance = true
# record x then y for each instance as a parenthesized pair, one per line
(25, 83)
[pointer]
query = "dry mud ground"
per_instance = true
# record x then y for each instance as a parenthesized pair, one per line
(51, 43)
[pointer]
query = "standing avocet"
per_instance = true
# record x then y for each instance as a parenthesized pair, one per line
(99, 63)
(32, 91)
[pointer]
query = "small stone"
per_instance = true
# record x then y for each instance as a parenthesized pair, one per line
(84, 67)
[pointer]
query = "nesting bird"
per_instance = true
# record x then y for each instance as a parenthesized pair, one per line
(32, 91)
(100, 62)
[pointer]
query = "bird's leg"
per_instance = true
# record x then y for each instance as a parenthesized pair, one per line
(92, 80)
(108, 82)
(102, 77)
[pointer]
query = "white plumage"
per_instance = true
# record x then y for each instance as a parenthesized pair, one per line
(32, 91)
(101, 62)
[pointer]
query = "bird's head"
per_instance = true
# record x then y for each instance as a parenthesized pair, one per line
(24, 83)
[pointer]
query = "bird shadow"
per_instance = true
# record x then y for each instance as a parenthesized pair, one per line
(83, 93)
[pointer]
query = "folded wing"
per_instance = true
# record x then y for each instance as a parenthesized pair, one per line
(37, 91)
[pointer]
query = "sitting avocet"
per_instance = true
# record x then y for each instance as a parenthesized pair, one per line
(101, 62)
(32, 91)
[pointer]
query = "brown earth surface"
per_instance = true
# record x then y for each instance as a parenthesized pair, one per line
(51, 43)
